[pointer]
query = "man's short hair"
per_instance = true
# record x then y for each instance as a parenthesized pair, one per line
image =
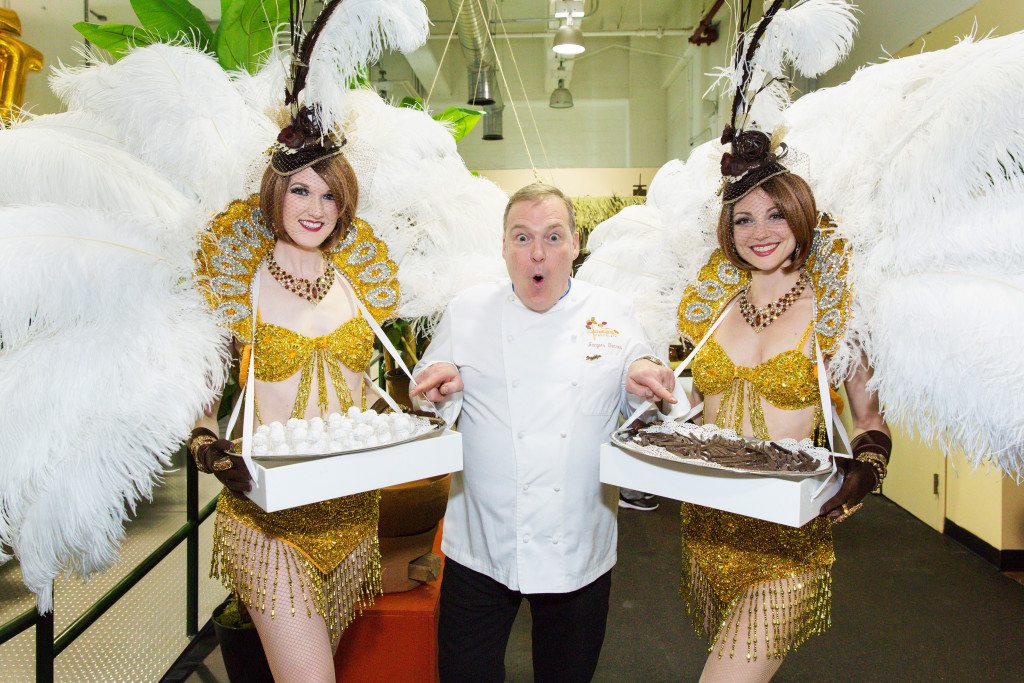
(535, 192)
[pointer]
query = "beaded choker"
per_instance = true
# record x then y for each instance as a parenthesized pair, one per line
(760, 318)
(312, 291)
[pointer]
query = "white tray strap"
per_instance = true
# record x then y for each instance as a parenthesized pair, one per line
(248, 394)
(679, 370)
(390, 348)
(830, 417)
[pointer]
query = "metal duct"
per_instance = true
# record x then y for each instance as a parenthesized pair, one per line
(492, 122)
(481, 65)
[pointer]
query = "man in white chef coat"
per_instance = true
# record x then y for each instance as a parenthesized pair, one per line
(539, 365)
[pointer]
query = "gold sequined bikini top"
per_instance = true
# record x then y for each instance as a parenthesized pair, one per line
(283, 352)
(787, 380)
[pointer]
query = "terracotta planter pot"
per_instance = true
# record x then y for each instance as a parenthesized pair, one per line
(409, 515)
(413, 508)
(242, 650)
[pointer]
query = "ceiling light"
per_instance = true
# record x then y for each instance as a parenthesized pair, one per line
(568, 40)
(577, 14)
(561, 98)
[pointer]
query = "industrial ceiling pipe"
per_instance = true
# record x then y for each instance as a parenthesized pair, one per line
(471, 26)
(481, 64)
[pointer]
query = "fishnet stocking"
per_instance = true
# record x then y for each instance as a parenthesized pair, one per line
(297, 646)
(750, 628)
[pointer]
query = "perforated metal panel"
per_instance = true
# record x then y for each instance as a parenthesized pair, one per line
(139, 637)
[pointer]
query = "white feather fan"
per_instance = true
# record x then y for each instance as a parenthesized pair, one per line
(88, 309)
(85, 173)
(812, 35)
(356, 34)
(442, 224)
(175, 108)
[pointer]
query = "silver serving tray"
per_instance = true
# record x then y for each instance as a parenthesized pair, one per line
(270, 461)
(620, 439)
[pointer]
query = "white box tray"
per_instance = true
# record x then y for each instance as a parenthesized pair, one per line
(776, 499)
(290, 484)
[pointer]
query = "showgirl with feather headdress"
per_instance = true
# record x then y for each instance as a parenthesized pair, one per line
(103, 210)
(911, 283)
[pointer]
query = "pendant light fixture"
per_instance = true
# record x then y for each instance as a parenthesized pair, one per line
(561, 98)
(568, 39)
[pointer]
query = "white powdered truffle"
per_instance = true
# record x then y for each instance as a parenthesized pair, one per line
(293, 422)
(260, 449)
(263, 429)
(353, 412)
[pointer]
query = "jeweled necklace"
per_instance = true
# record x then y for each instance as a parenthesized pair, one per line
(312, 291)
(760, 318)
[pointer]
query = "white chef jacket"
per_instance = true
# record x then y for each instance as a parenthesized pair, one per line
(542, 392)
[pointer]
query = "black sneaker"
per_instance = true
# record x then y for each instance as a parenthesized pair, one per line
(643, 504)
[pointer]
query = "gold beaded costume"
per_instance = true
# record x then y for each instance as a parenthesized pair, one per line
(328, 551)
(725, 556)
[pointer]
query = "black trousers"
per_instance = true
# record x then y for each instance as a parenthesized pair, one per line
(476, 619)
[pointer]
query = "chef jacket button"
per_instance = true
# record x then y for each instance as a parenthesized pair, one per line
(510, 337)
(557, 489)
(526, 487)
(520, 435)
(515, 383)
(554, 540)
(563, 435)
(526, 538)
(575, 383)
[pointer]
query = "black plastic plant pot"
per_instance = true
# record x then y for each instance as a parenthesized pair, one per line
(242, 650)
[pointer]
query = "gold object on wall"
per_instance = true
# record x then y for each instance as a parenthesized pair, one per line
(17, 58)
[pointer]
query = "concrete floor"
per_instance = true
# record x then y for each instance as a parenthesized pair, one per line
(909, 605)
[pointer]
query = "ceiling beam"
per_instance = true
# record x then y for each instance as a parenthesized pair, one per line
(426, 67)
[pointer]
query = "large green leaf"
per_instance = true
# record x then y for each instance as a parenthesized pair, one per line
(411, 103)
(116, 39)
(170, 19)
(246, 31)
(460, 120)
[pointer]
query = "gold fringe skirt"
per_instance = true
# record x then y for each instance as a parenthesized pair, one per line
(327, 552)
(746, 578)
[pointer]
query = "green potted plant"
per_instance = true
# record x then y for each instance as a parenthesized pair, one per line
(240, 645)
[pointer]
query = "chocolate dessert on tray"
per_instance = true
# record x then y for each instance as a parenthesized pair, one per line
(713, 447)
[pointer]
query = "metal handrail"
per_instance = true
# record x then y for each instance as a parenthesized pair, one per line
(48, 647)
(15, 626)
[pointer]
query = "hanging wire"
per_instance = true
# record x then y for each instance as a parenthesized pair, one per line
(522, 85)
(515, 112)
(451, 34)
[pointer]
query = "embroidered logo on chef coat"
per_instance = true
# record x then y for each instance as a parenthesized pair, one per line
(600, 329)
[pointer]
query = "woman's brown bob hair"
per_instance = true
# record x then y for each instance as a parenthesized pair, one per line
(341, 180)
(792, 197)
